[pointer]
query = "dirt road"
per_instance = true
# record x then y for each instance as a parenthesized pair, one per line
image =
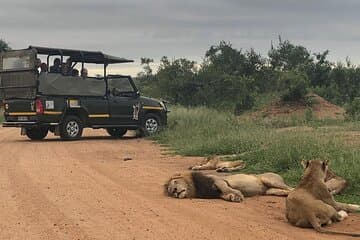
(85, 190)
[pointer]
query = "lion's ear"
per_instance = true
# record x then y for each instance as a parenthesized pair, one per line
(305, 163)
(325, 164)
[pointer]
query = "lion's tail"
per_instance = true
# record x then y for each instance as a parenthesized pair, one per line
(320, 229)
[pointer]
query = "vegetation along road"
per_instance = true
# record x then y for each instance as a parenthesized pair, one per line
(85, 190)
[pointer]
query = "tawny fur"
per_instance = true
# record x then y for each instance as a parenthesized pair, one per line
(231, 188)
(334, 183)
(216, 163)
(312, 205)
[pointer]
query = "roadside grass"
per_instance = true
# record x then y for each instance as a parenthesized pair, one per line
(1, 115)
(202, 132)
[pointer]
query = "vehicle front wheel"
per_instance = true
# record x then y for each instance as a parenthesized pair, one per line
(116, 132)
(37, 133)
(71, 128)
(150, 125)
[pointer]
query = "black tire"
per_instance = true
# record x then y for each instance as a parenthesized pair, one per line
(116, 132)
(71, 128)
(38, 133)
(151, 124)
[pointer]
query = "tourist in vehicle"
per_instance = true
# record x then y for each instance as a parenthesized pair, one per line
(37, 65)
(84, 73)
(64, 69)
(56, 67)
(68, 67)
(43, 68)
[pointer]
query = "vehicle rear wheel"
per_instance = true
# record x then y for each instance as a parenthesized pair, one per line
(150, 125)
(38, 133)
(71, 128)
(116, 132)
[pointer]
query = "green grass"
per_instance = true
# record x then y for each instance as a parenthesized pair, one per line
(1, 115)
(201, 132)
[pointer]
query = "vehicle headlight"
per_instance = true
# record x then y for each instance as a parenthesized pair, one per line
(162, 104)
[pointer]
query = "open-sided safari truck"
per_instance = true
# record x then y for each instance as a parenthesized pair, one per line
(42, 101)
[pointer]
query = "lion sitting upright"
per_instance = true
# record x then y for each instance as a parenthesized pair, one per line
(312, 205)
(215, 163)
(230, 188)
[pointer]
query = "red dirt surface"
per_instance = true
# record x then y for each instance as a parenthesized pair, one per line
(85, 190)
(321, 109)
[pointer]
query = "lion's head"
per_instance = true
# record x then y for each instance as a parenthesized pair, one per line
(180, 186)
(321, 168)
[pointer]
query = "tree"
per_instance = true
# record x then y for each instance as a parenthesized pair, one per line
(4, 45)
(145, 62)
(176, 80)
(319, 69)
(287, 56)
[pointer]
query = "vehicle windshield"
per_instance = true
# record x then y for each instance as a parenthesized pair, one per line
(119, 85)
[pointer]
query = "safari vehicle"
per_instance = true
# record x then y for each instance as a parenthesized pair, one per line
(39, 102)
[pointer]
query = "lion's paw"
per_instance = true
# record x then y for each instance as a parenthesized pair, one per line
(343, 215)
(234, 197)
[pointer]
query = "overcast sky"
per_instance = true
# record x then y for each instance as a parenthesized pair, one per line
(186, 28)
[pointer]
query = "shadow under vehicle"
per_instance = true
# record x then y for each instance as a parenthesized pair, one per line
(64, 104)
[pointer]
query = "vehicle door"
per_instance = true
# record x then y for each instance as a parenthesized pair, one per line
(124, 101)
(18, 83)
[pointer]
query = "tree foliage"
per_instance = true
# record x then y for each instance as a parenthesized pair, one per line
(4, 45)
(230, 78)
(293, 86)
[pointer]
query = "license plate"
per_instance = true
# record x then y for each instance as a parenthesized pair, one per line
(23, 118)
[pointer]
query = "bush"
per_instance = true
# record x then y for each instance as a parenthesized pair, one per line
(293, 85)
(309, 116)
(353, 109)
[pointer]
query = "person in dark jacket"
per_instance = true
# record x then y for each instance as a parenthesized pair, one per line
(56, 68)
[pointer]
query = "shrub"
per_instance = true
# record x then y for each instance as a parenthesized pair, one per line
(293, 85)
(309, 116)
(353, 109)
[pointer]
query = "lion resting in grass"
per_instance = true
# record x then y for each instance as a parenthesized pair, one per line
(230, 188)
(334, 183)
(215, 163)
(312, 205)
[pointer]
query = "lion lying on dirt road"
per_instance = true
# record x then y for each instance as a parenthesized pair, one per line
(230, 188)
(312, 205)
(334, 183)
(215, 163)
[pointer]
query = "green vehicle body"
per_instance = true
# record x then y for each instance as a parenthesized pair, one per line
(37, 109)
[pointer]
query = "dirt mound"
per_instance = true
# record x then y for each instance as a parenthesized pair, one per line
(315, 105)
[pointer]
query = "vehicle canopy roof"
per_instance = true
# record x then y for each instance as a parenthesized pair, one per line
(81, 55)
